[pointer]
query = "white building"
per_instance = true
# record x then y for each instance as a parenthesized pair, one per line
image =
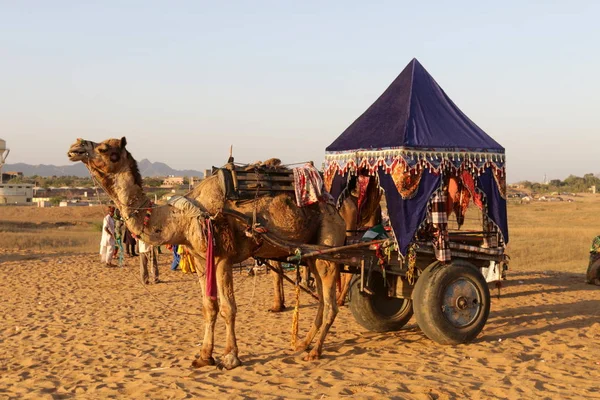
(16, 193)
(173, 180)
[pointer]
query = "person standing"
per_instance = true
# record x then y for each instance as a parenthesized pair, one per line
(176, 257)
(119, 230)
(129, 241)
(107, 242)
(148, 254)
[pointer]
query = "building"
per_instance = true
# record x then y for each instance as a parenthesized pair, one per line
(8, 175)
(173, 180)
(16, 193)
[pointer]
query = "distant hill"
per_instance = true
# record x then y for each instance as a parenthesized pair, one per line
(148, 169)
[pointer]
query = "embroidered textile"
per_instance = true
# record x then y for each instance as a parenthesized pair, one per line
(469, 184)
(328, 179)
(500, 177)
(406, 179)
(362, 183)
(308, 185)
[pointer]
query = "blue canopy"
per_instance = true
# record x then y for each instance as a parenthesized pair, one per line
(413, 136)
(414, 112)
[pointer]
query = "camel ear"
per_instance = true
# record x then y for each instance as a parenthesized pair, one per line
(123, 142)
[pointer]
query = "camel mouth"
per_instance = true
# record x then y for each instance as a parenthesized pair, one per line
(76, 155)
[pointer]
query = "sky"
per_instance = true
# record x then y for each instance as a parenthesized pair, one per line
(184, 80)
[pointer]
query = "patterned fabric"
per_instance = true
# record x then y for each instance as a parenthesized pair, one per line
(438, 218)
(328, 179)
(406, 179)
(469, 184)
(362, 183)
(308, 185)
(500, 176)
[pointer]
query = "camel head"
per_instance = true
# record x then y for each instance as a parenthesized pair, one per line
(107, 157)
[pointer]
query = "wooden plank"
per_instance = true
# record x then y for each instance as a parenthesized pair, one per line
(263, 187)
(263, 178)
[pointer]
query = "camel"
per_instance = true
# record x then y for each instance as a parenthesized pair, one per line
(235, 238)
(358, 218)
(369, 216)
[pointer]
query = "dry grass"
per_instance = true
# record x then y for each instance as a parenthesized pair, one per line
(56, 229)
(553, 236)
(543, 236)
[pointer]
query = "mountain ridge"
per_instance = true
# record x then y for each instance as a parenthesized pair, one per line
(148, 169)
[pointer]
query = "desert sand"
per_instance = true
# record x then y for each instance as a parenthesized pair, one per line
(71, 328)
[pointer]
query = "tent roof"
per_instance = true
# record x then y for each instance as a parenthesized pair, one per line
(414, 113)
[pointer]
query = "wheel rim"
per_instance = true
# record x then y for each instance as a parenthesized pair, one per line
(461, 303)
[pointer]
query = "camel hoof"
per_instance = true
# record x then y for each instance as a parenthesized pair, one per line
(312, 356)
(199, 363)
(277, 309)
(228, 362)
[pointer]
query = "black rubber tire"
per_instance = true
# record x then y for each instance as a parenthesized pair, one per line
(592, 274)
(465, 315)
(378, 312)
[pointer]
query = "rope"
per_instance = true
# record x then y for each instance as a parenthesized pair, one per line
(296, 308)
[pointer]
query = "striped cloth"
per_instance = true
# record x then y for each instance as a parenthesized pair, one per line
(438, 218)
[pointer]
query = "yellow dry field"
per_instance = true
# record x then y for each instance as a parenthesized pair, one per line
(553, 236)
(55, 229)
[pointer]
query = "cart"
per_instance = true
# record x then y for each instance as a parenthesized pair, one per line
(431, 161)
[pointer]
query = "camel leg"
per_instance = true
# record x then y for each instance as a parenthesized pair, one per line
(326, 277)
(210, 308)
(345, 279)
(326, 280)
(349, 213)
(279, 296)
(228, 311)
(318, 318)
(305, 277)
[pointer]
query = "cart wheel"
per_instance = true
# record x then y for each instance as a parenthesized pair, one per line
(378, 312)
(452, 302)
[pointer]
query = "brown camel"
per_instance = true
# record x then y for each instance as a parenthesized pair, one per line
(358, 219)
(369, 216)
(115, 169)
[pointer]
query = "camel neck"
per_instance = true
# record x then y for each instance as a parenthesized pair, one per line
(128, 196)
(132, 202)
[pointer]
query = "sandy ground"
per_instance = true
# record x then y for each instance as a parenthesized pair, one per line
(71, 328)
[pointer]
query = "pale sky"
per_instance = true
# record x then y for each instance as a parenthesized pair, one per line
(183, 80)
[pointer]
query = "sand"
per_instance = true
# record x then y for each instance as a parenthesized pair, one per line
(71, 328)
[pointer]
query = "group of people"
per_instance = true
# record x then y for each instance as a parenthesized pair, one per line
(115, 234)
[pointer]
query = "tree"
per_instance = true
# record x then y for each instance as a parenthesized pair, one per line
(555, 182)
